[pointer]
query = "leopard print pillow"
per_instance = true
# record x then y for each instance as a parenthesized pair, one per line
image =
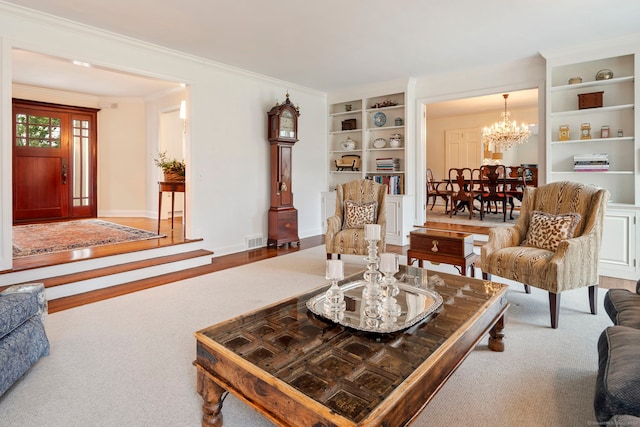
(546, 231)
(356, 215)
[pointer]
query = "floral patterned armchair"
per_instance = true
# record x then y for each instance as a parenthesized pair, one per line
(357, 203)
(555, 245)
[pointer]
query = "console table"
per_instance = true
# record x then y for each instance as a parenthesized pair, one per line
(173, 187)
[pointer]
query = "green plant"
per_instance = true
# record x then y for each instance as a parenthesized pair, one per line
(170, 165)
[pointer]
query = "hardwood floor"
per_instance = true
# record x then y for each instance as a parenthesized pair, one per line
(218, 263)
(174, 237)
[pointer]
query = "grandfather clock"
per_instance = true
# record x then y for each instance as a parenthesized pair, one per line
(282, 135)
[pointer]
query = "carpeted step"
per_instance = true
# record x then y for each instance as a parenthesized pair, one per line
(51, 282)
(76, 300)
(121, 268)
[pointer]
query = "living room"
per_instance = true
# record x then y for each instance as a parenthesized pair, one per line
(227, 157)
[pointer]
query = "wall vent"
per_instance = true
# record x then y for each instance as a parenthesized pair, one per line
(254, 242)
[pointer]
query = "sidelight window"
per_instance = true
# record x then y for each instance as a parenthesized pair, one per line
(81, 162)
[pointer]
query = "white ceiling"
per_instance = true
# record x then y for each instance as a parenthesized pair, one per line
(333, 44)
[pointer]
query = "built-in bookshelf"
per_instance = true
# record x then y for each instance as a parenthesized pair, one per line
(605, 129)
(591, 138)
(371, 130)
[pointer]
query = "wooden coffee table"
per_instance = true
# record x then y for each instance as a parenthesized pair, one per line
(298, 369)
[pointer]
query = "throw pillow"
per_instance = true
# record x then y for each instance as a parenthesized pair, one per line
(356, 215)
(546, 230)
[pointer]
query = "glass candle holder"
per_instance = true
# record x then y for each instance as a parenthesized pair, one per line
(389, 266)
(334, 301)
(372, 232)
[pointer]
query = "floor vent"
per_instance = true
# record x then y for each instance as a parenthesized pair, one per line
(255, 242)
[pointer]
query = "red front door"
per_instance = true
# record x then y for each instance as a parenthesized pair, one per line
(49, 148)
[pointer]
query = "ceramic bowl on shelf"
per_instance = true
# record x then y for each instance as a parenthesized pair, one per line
(604, 74)
(395, 141)
(379, 143)
(348, 144)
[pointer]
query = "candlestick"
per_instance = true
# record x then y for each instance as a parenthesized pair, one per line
(334, 269)
(389, 263)
(334, 304)
(372, 231)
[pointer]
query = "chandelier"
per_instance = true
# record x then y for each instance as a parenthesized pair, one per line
(503, 135)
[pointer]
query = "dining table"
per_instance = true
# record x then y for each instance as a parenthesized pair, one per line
(515, 188)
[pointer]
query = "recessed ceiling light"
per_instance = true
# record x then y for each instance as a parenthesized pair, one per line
(81, 64)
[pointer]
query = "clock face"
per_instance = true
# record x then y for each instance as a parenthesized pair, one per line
(287, 125)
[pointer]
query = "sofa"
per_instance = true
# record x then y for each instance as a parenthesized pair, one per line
(617, 396)
(23, 340)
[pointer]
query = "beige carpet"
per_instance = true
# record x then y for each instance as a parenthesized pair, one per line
(127, 361)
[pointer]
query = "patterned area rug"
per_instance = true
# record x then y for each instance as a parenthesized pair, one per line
(38, 239)
(438, 214)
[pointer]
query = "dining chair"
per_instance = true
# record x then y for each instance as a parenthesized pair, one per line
(494, 185)
(434, 192)
(524, 176)
(459, 190)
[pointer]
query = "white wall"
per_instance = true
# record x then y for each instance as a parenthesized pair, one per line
(227, 151)
(121, 156)
(228, 174)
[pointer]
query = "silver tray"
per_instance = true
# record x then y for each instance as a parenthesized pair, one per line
(416, 304)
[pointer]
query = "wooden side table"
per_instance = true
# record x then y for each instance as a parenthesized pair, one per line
(173, 187)
(448, 247)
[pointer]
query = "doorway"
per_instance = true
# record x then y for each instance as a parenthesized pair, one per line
(438, 115)
(54, 162)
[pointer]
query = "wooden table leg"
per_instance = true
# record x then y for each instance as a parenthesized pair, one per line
(211, 394)
(159, 209)
(496, 335)
(173, 205)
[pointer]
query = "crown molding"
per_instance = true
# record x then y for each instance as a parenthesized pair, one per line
(46, 19)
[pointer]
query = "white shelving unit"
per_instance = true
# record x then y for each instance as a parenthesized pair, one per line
(365, 111)
(618, 112)
(392, 113)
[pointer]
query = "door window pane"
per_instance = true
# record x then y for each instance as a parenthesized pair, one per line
(37, 131)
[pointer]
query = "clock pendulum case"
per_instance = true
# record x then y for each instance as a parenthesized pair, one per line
(282, 135)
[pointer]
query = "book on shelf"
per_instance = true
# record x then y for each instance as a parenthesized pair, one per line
(591, 162)
(395, 183)
(388, 164)
(590, 157)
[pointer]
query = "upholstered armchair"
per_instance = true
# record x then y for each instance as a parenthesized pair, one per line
(555, 245)
(23, 340)
(357, 203)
